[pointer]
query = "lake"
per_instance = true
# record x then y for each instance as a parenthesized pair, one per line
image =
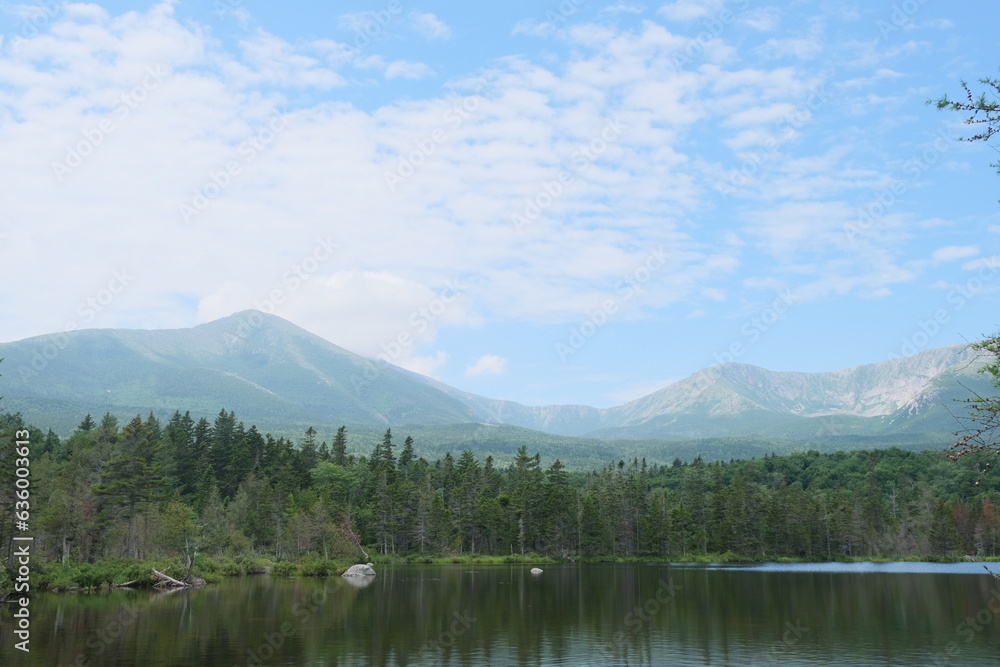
(571, 614)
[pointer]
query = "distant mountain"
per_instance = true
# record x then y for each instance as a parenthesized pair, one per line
(266, 369)
(911, 396)
(284, 379)
(874, 399)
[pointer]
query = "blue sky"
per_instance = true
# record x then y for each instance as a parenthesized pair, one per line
(575, 202)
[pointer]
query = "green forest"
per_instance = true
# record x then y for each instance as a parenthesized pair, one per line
(223, 498)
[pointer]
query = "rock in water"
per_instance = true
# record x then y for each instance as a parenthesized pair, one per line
(360, 570)
(536, 570)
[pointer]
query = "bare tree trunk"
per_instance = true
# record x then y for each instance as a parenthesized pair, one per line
(164, 579)
(188, 559)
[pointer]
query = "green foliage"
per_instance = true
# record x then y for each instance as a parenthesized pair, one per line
(285, 568)
(804, 505)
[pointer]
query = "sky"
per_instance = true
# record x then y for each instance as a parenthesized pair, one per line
(547, 202)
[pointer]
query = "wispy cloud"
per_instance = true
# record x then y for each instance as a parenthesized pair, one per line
(430, 26)
(488, 364)
(952, 253)
(614, 133)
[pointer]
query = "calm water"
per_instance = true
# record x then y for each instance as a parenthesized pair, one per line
(631, 614)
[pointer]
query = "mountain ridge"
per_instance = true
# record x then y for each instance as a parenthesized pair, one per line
(269, 370)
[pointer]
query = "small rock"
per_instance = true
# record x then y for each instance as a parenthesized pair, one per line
(536, 570)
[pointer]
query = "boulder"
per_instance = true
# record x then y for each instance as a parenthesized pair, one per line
(360, 570)
(536, 570)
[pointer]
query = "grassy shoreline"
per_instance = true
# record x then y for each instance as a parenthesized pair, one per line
(111, 573)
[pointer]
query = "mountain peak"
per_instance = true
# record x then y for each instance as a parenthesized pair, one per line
(278, 375)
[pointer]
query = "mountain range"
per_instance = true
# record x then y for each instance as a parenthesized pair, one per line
(285, 379)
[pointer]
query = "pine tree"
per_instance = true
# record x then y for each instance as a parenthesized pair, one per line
(132, 479)
(339, 448)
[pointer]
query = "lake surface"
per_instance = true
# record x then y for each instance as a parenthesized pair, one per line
(601, 614)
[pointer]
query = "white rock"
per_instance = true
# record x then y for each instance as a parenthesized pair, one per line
(360, 570)
(536, 570)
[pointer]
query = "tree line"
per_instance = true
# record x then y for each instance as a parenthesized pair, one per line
(152, 490)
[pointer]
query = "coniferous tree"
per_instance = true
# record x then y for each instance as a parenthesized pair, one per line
(132, 479)
(338, 451)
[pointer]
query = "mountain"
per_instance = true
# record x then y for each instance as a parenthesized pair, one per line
(285, 379)
(904, 397)
(873, 399)
(266, 369)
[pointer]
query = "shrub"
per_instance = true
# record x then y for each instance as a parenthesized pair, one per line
(284, 568)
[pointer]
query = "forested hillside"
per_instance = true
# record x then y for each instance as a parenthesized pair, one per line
(147, 490)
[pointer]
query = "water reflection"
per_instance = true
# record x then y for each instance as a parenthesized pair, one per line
(607, 615)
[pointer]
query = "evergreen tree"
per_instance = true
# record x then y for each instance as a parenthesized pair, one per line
(132, 480)
(339, 448)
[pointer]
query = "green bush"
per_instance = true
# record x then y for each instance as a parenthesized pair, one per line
(55, 576)
(284, 568)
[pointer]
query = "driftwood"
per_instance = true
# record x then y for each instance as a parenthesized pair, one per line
(125, 585)
(168, 581)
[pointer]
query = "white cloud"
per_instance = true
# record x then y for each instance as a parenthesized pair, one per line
(467, 173)
(622, 8)
(425, 365)
(803, 48)
(688, 10)
(952, 252)
(406, 70)
(488, 364)
(430, 26)
(762, 19)
(991, 263)
(533, 28)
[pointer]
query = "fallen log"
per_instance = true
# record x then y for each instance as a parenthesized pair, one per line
(165, 580)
